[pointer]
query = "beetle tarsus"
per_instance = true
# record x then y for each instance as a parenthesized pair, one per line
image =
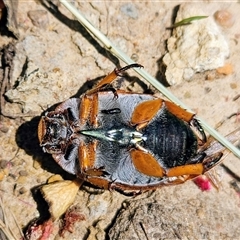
(197, 159)
(198, 130)
(121, 70)
(108, 87)
(211, 161)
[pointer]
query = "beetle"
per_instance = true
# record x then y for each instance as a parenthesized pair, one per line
(125, 141)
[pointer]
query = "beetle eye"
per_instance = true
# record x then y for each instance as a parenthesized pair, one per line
(71, 115)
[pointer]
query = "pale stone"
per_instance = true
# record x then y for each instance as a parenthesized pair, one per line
(196, 47)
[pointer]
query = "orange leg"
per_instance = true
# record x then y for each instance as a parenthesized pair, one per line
(86, 153)
(111, 77)
(89, 110)
(100, 182)
(94, 111)
(187, 117)
(179, 180)
(87, 160)
(145, 163)
(178, 111)
(197, 168)
(145, 111)
(85, 108)
(191, 169)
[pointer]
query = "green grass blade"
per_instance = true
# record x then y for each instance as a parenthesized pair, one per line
(187, 21)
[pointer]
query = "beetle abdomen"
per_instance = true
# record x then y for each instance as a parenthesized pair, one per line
(173, 142)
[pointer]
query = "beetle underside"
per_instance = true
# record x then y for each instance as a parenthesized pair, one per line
(129, 142)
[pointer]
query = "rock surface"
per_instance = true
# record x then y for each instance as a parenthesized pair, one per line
(197, 47)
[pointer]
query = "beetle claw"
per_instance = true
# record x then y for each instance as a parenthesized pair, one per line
(211, 161)
(121, 70)
(198, 130)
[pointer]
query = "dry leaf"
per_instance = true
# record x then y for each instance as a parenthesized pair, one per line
(60, 195)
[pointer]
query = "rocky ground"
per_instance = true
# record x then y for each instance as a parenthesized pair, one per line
(55, 58)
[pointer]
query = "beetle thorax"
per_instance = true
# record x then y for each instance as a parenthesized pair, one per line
(123, 136)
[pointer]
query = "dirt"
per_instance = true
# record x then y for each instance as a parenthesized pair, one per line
(55, 58)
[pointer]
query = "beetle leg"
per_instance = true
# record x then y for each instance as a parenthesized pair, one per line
(198, 130)
(139, 147)
(100, 182)
(197, 159)
(187, 117)
(86, 153)
(178, 180)
(197, 168)
(126, 192)
(96, 172)
(106, 81)
(111, 77)
(190, 169)
(146, 163)
(179, 112)
(89, 110)
(121, 70)
(68, 162)
(85, 109)
(108, 87)
(87, 160)
(145, 111)
(212, 161)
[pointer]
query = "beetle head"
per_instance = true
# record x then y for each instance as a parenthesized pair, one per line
(54, 132)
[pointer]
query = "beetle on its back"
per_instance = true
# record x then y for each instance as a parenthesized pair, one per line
(125, 141)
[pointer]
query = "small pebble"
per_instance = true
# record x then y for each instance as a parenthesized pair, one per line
(134, 57)
(3, 173)
(187, 94)
(211, 75)
(227, 69)
(233, 85)
(224, 18)
(194, 202)
(23, 173)
(13, 176)
(3, 164)
(36, 164)
(4, 129)
(22, 190)
(22, 180)
(39, 18)
(207, 89)
(56, 69)
(200, 213)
